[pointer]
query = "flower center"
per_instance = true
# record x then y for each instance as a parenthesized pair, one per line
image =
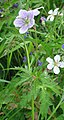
(27, 21)
(55, 63)
(52, 14)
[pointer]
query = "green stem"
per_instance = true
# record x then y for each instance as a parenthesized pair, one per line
(32, 108)
(27, 54)
(32, 96)
(55, 109)
(48, 4)
(29, 69)
(27, 57)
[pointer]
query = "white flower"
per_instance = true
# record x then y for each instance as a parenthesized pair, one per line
(60, 14)
(52, 14)
(55, 64)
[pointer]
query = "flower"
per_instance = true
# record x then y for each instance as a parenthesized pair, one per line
(39, 63)
(55, 64)
(1, 12)
(52, 14)
(25, 20)
(24, 59)
(31, 53)
(60, 14)
(43, 20)
(15, 5)
(26, 35)
(63, 46)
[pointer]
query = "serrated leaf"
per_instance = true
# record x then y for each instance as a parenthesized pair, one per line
(45, 103)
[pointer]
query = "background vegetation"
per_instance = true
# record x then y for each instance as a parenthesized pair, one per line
(28, 91)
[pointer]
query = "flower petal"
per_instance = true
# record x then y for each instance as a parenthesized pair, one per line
(56, 11)
(61, 64)
(50, 66)
(23, 13)
(36, 12)
(23, 29)
(30, 14)
(49, 60)
(57, 58)
(40, 8)
(48, 17)
(32, 22)
(18, 23)
(50, 12)
(60, 14)
(52, 18)
(56, 70)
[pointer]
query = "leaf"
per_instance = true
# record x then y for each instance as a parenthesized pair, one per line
(63, 1)
(1, 24)
(61, 117)
(45, 103)
(5, 81)
(48, 83)
(31, 47)
(25, 99)
(62, 106)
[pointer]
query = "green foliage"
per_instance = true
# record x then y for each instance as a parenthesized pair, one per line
(27, 88)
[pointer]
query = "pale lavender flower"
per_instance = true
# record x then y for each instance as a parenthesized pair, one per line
(25, 20)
